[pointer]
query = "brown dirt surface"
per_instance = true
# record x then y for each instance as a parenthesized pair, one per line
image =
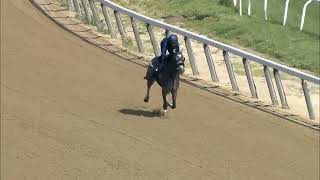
(70, 110)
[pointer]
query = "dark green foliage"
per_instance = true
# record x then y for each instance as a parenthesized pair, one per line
(228, 3)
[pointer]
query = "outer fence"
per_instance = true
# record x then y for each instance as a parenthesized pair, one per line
(247, 57)
(304, 12)
(285, 15)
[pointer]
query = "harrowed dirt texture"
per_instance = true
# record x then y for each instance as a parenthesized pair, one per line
(70, 110)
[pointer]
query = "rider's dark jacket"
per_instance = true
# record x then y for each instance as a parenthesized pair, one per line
(169, 44)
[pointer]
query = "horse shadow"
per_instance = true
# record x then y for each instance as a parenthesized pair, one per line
(138, 112)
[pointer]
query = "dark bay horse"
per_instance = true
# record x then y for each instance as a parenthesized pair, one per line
(168, 78)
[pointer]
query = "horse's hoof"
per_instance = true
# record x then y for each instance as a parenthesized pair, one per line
(164, 113)
(146, 100)
(172, 106)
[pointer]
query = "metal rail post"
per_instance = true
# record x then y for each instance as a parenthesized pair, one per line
(265, 8)
(235, 3)
(233, 80)
(153, 40)
(308, 99)
(108, 21)
(121, 29)
(63, 2)
(285, 13)
(136, 34)
(77, 6)
(70, 5)
(282, 94)
(240, 7)
(194, 67)
(212, 68)
(86, 11)
(272, 92)
(249, 7)
(251, 83)
(168, 33)
(95, 14)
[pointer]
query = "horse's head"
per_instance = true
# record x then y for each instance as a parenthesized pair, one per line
(178, 59)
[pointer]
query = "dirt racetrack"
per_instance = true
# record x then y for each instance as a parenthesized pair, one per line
(70, 110)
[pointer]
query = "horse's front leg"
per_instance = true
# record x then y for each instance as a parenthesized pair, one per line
(165, 103)
(149, 84)
(174, 92)
(174, 99)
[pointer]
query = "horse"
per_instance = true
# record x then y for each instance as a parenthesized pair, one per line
(168, 78)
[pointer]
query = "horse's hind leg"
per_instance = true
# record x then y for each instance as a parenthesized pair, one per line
(149, 84)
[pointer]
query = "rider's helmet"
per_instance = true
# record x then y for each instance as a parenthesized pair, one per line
(173, 43)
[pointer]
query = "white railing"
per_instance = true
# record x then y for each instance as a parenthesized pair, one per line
(247, 57)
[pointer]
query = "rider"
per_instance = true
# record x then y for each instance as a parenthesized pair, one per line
(170, 44)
